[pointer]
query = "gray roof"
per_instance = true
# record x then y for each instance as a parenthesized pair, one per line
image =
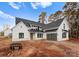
(54, 24)
(28, 22)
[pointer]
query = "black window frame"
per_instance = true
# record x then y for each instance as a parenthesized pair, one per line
(21, 35)
(39, 35)
(64, 34)
(64, 26)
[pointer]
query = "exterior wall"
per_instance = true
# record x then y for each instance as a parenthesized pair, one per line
(7, 32)
(44, 36)
(59, 31)
(20, 28)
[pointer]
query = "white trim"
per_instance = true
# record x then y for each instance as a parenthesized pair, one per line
(52, 28)
(51, 32)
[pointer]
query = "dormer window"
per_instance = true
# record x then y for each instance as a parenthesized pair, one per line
(29, 25)
(33, 25)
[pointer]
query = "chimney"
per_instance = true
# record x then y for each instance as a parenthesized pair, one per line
(42, 17)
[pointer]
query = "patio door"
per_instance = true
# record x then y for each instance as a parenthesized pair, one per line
(31, 36)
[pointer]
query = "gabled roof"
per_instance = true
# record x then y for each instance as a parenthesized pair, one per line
(28, 22)
(53, 25)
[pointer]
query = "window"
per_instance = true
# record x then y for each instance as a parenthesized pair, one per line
(64, 35)
(40, 35)
(21, 26)
(63, 26)
(21, 35)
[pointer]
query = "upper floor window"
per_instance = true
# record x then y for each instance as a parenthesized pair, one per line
(63, 26)
(32, 25)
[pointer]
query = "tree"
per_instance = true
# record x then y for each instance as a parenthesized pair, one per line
(71, 12)
(54, 16)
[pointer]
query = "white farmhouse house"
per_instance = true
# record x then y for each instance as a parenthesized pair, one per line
(30, 30)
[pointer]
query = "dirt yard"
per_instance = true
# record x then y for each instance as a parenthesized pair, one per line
(41, 48)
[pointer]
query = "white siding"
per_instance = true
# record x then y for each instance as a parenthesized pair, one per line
(44, 36)
(59, 31)
(20, 28)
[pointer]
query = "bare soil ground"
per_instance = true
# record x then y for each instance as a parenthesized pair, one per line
(41, 48)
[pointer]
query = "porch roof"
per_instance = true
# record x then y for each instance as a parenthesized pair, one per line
(33, 30)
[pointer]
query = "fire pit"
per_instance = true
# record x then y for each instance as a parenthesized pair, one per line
(15, 46)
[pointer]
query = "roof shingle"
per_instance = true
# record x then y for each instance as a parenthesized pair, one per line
(54, 24)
